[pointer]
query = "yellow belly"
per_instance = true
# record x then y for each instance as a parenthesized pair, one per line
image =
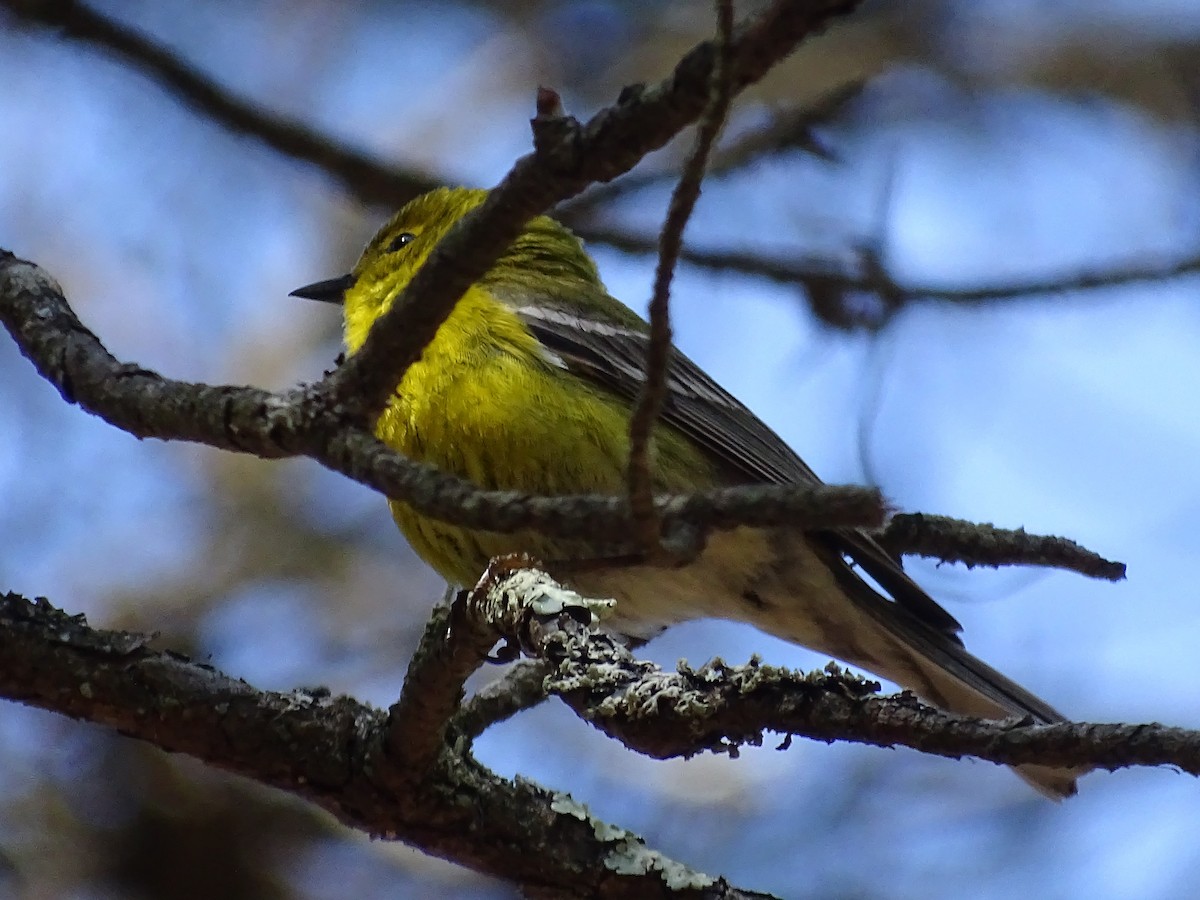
(499, 413)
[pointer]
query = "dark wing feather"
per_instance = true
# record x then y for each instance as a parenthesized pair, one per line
(613, 357)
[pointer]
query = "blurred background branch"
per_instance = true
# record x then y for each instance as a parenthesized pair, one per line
(828, 283)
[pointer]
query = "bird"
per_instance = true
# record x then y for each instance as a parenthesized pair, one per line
(529, 385)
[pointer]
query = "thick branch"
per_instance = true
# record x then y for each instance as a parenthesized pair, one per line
(249, 420)
(342, 755)
(330, 750)
(333, 750)
(719, 708)
(455, 643)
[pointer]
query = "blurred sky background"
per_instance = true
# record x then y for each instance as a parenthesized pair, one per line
(995, 142)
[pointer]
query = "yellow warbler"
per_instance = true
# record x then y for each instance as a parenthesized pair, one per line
(529, 385)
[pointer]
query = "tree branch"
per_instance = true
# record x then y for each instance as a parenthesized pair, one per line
(338, 753)
(829, 282)
(975, 544)
(567, 157)
(789, 129)
(250, 420)
(718, 708)
(332, 751)
(371, 181)
(409, 774)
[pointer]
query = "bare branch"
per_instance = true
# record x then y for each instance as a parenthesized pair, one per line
(567, 157)
(369, 180)
(719, 708)
(463, 627)
(789, 129)
(374, 182)
(333, 752)
(520, 689)
(409, 775)
(828, 282)
(974, 544)
(433, 687)
(249, 420)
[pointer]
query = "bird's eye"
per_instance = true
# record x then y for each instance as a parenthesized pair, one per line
(400, 240)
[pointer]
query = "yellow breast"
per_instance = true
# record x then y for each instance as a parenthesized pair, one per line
(487, 403)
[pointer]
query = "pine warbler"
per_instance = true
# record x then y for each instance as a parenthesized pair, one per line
(529, 385)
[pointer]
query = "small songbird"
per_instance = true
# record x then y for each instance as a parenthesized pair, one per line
(529, 386)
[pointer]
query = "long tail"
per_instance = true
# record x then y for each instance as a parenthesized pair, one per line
(922, 653)
(943, 672)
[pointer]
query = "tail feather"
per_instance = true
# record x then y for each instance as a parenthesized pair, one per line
(965, 684)
(798, 587)
(932, 662)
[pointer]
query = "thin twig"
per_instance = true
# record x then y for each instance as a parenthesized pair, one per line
(974, 544)
(836, 280)
(518, 690)
(789, 129)
(658, 351)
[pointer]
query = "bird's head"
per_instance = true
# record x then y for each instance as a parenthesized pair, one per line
(545, 260)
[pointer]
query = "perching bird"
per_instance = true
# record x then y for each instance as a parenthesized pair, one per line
(529, 385)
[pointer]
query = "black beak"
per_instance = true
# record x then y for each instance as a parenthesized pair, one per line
(332, 290)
